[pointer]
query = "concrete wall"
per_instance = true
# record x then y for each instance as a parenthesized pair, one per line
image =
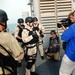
(73, 5)
(36, 9)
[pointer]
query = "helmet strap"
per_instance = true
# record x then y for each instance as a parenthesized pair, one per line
(4, 25)
(30, 25)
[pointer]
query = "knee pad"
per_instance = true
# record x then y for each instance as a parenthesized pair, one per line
(33, 61)
(29, 65)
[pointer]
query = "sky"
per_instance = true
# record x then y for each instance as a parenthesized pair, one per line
(14, 9)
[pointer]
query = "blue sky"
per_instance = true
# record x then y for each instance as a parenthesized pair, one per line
(14, 9)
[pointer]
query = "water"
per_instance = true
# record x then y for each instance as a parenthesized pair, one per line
(11, 27)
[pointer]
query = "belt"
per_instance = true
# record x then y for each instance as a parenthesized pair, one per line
(31, 46)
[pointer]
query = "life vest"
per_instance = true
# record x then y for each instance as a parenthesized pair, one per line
(20, 33)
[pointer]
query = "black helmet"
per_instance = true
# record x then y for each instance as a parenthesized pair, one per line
(35, 19)
(29, 19)
(20, 20)
(3, 16)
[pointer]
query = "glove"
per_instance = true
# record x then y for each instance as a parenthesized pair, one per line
(40, 32)
(19, 64)
(35, 28)
(42, 57)
(35, 35)
(42, 35)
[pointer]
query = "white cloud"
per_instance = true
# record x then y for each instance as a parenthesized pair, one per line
(14, 8)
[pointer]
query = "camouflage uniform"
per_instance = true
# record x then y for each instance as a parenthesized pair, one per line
(41, 32)
(11, 44)
(18, 30)
(38, 27)
(30, 40)
(9, 48)
(18, 36)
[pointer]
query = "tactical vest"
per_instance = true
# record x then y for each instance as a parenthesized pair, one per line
(34, 40)
(36, 28)
(20, 33)
(54, 41)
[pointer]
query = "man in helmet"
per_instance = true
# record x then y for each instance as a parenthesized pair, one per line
(10, 50)
(18, 35)
(30, 39)
(18, 30)
(38, 27)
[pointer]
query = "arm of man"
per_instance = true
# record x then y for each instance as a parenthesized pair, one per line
(11, 44)
(16, 32)
(41, 28)
(68, 34)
